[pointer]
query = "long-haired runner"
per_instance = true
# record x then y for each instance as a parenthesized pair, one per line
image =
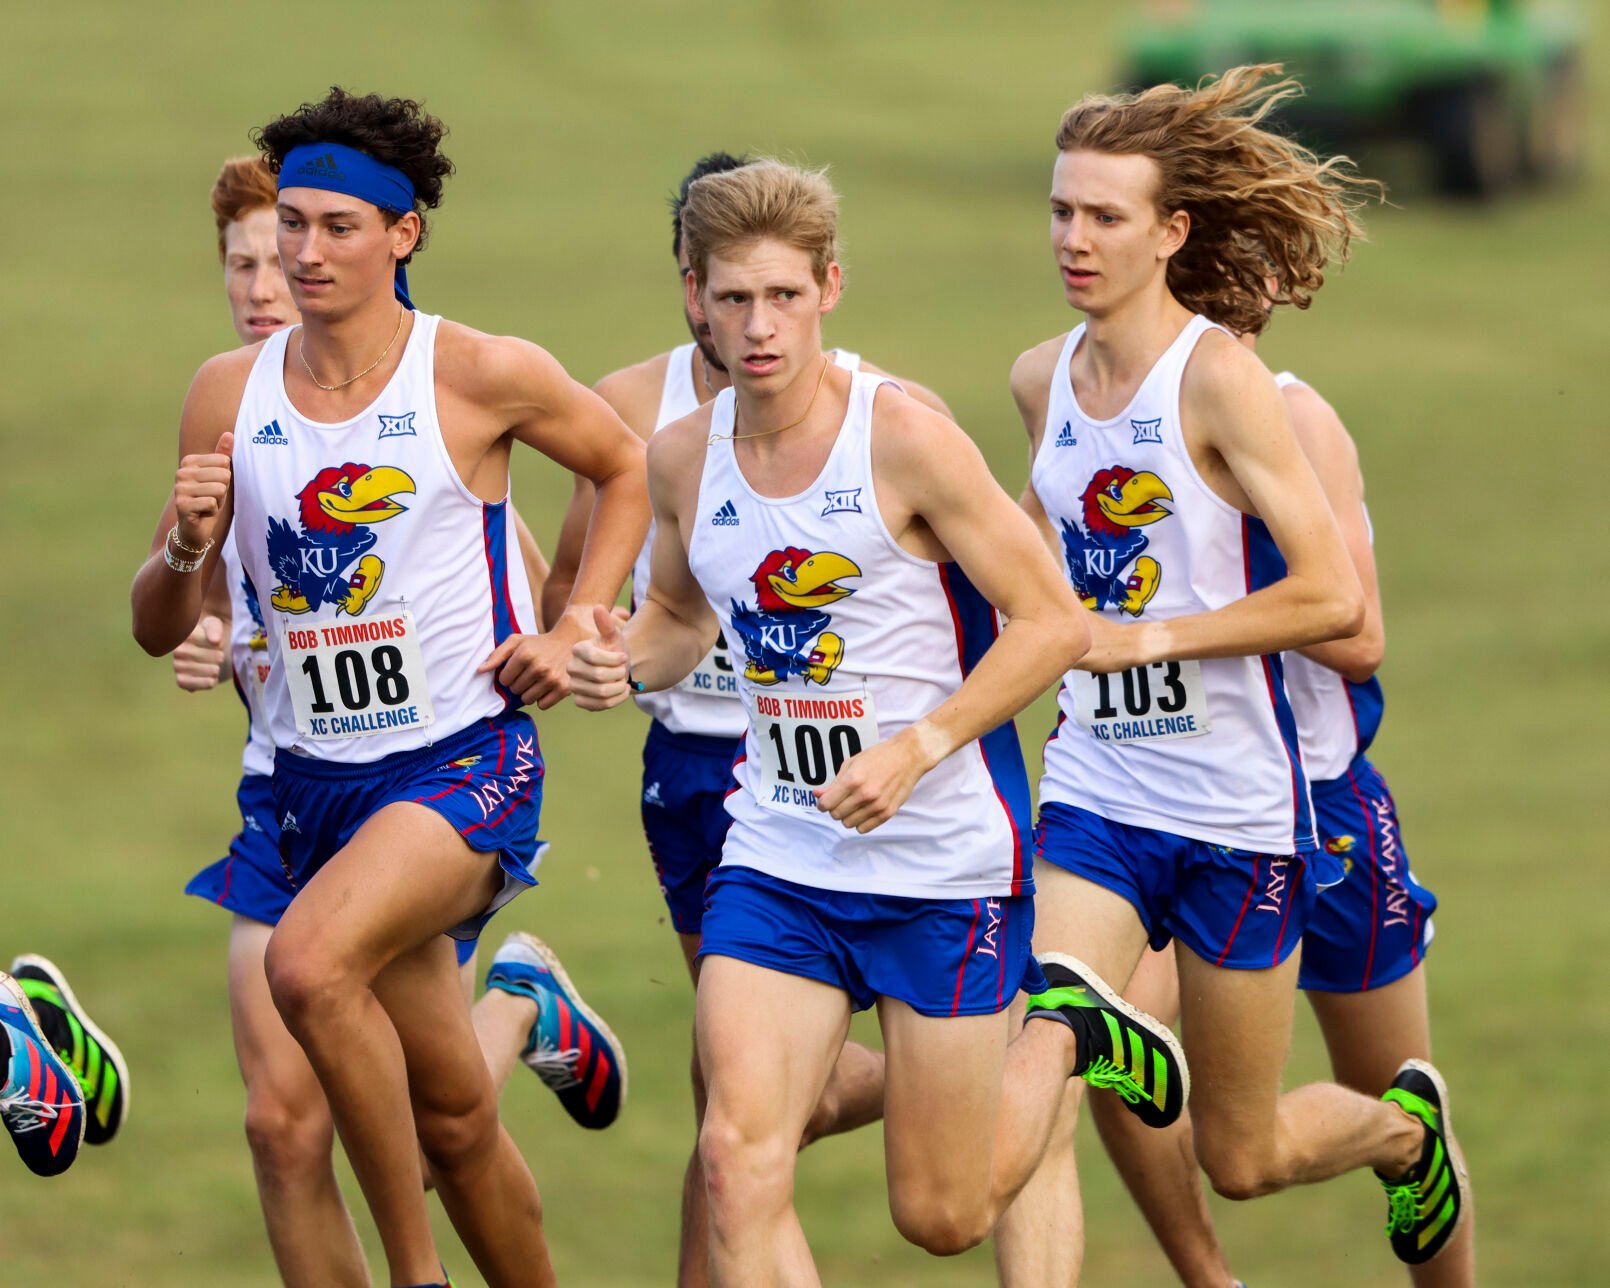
(1174, 804)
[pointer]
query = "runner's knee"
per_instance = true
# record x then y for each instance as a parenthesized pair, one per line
(1236, 1171)
(942, 1224)
(743, 1168)
(453, 1136)
(288, 1139)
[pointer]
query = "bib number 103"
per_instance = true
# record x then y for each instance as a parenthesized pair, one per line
(804, 742)
(1159, 701)
(355, 680)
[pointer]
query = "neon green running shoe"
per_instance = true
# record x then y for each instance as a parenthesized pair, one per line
(1121, 1049)
(1423, 1206)
(90, 1054)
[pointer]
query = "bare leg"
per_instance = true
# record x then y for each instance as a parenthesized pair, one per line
(379, 907)
(1159, 1165)
(502, 1027)
(853, 1097)
(289, 1130)
(1251, 1139)
(1368, 1036)
(1040, 1241)
(766, 1063)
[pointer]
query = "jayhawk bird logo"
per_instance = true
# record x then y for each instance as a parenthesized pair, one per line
(337, 508)
(786, 633)
(1117, 503)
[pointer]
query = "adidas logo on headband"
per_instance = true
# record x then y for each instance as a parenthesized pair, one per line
(324, 166)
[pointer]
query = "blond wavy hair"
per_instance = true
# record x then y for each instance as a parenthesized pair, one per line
(1260, 203)
(764, 199)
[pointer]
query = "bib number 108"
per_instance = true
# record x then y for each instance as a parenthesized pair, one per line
(352, 679)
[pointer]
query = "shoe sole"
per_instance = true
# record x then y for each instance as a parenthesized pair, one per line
(12, 987)
(550, 961)
(1150, 1023)
(108, 1047)
(1454, 1152)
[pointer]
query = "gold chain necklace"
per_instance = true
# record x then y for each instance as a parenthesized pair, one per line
(762, 433)
(301, 352)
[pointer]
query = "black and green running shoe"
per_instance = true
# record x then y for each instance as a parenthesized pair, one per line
(1121, 1049)
(1423, 1206)
(92, 1056)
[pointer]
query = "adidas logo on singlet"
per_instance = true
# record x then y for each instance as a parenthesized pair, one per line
(271, 435)
(726, 516)
(1065, 436)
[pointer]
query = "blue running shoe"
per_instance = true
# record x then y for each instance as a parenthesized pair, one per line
(41, 1102)
(570, 1048)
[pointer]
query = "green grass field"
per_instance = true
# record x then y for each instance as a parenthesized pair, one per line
(1464, 346)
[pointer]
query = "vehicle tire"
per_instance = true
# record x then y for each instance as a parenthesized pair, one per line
(1475, 139)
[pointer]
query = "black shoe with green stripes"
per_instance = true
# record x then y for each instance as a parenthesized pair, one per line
(92, 1056)
(1121, 1049)
(1423, 1206)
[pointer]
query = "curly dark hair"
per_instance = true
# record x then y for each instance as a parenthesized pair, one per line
(394, 131)
(715, 163)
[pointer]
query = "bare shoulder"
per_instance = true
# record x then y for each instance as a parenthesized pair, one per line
(677, 451)
(1319, 429)
(1031, 384)
(1221, 370)
(491, 369)
(215, 394)
(634, 392)
(926, 396)
(1031, 373)
(910, 439)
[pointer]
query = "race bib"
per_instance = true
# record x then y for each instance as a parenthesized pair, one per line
(355, 679)
(804, 741)
(1151, 703)
(714, 675)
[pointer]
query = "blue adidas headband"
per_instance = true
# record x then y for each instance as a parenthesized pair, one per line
(334, 167)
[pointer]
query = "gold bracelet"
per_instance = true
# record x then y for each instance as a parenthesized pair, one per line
(178, 543)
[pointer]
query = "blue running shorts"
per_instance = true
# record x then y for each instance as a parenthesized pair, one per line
(686, 778)
(1233, 908)
(1374, 926)
(249, 880)
(485, 780)
(941, 957)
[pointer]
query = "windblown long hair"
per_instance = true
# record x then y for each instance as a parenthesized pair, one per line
(1262, 206)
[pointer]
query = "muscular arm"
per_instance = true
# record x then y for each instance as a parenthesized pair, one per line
(567, 553)
(674, 627)
(1330, 450)
(938, 475)
(166, 603)
(1030, 383)
(1230, 402)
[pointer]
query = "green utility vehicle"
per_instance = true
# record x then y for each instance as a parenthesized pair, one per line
(1491, 88)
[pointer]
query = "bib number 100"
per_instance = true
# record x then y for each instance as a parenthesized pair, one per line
(352, 679)
(816, 755)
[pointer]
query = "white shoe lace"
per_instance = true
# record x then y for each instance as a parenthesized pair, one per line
(556, 1068)
(21, 1113)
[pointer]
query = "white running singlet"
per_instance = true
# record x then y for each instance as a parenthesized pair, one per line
(248, 659)
(1204, 749)
(1336, 719)
(706, 701)
(840, 639)
(384, 582)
